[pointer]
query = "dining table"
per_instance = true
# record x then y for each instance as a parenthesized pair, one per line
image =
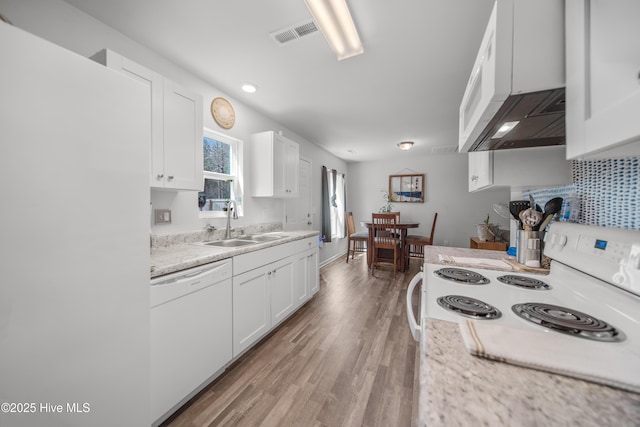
(402, 227)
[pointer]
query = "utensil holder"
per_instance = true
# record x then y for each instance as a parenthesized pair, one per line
(529, 247)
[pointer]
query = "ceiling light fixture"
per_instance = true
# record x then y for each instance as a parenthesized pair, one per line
(249, 87)
(405, 145)
(336, 24)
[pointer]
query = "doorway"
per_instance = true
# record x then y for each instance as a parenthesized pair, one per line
(298, 212)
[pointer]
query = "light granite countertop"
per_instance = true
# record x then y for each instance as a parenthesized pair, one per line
(458, 389)
(187, 252)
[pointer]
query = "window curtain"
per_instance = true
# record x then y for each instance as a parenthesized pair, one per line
(334, 203)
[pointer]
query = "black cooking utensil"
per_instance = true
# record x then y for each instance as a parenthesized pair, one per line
(517, 206)
(551, 208)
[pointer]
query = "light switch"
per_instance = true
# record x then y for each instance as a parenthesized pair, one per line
(162, 216)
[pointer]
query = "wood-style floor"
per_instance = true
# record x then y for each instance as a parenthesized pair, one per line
(346, 358)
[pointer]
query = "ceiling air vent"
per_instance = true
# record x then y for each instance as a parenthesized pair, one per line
(293, 32)
(444, 150)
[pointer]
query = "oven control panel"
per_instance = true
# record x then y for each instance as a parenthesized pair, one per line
(612, 250)
(610, 254)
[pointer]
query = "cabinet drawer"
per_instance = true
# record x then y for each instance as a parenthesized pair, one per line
(252, 260)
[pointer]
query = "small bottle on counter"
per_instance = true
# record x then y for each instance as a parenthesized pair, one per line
(570, 208)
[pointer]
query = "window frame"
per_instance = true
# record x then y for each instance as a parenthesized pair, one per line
(236, 172)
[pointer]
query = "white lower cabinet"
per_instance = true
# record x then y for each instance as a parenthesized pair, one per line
(312, 272)
(285, 278)
(281, 284)
(300, 286)
(262, 298)
(251, 308)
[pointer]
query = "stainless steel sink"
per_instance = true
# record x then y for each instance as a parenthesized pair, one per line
(252, 239)
(231, 243)
(263, 237)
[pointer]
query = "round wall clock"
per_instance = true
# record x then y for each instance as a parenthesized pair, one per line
(223, 113)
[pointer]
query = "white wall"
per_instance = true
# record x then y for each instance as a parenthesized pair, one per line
(446, 192)
(71, 28)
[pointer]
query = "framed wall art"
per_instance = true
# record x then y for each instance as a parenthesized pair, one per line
(406, 188)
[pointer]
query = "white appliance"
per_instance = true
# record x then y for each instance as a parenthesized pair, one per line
(517, 79)
(592, 292)
(188, 344)
(74, 298)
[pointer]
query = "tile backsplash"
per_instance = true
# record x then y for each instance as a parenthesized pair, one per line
(609, 192)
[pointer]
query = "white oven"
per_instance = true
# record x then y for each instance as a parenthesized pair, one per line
(588, 304)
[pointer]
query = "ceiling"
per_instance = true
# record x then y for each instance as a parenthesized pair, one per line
(406, 86)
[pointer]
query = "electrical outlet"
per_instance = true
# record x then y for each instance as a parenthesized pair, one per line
(163, 216)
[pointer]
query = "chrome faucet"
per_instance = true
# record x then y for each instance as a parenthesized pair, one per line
(235, 216)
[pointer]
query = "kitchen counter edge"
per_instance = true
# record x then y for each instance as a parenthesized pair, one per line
(166, 260)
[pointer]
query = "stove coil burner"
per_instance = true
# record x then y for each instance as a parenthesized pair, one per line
(568, 321)
(469, 307)
(524, 282)
(461, 276)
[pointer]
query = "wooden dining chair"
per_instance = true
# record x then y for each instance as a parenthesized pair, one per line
(416, 243)
(356, 242)
(385, 238)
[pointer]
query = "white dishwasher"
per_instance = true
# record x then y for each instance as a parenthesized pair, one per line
(191, 333)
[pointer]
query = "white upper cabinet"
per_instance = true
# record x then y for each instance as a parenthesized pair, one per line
(517, 77)
(275, 165)
(480, 170)
(603, 78)
(176, 126)
(535, 166)
(182, 142)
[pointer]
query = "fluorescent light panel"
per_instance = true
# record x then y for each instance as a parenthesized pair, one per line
(334, 20)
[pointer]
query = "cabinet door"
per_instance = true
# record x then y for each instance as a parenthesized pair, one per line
(154, 83)
(300, 287)
(480, 170)
(182, 138)
(275, 164)
(313, 272)
(251, 308)
(603, 64)
(281, 283)
(291, 157)
(175, 120)
(279, 167)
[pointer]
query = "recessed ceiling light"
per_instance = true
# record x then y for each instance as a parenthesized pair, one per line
(249, 87)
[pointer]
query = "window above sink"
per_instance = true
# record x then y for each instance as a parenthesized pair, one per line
(222, 164)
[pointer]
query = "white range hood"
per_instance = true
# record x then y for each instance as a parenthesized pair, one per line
(515, 94)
